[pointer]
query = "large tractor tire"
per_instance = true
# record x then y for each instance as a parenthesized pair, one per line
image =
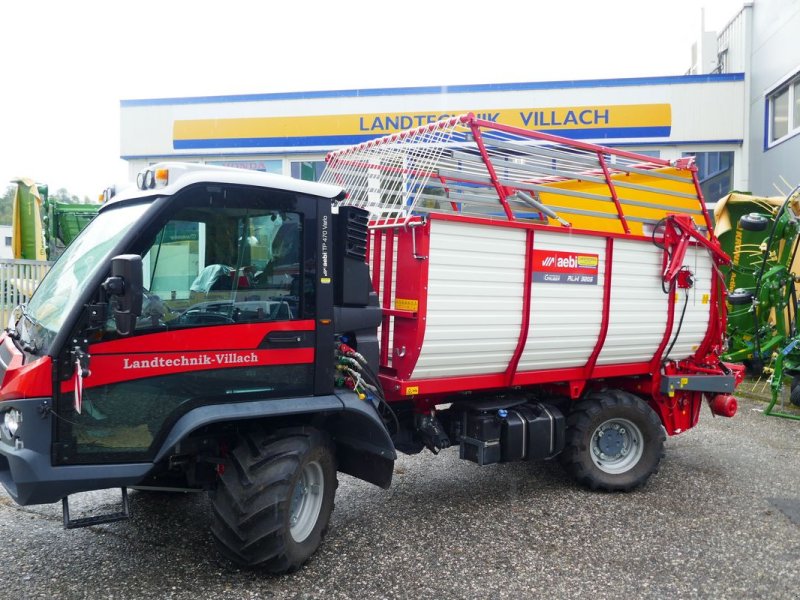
(614, 442)
(794, 391)
(274, 500)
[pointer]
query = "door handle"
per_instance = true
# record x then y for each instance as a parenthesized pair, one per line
(285, 339)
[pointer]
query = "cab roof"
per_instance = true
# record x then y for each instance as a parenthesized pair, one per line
(182, 175)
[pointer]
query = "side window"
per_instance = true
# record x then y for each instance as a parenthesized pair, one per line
(224, 266)
(173, 262)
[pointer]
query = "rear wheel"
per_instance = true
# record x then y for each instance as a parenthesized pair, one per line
(615, 442)
(273, 503)
(794, 391)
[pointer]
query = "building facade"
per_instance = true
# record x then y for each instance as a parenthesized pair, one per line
(667, 117)
(773, 93)
(737, 111)
(761, 41)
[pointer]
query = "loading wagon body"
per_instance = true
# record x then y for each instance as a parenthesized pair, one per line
(506, 259)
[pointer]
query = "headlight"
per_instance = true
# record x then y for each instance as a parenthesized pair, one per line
(11, 420)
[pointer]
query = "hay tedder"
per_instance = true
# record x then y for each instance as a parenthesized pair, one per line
(761, 236)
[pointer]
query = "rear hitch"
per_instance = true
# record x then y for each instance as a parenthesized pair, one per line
(432, 433)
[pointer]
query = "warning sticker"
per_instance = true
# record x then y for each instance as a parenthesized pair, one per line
(406, 304)
(555, 266)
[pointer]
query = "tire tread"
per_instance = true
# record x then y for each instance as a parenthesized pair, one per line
(579, 424)
(251, 495)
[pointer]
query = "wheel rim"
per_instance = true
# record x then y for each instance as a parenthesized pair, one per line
(306, 501)
(616, 446)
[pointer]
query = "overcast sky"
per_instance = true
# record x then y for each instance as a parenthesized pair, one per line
(66, 65)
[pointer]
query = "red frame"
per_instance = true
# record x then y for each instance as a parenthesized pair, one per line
(511, 372)
(601, 338)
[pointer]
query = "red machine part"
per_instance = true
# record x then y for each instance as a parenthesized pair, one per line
(685, 279)
(679, 232)
(25, 381)
(724, 405)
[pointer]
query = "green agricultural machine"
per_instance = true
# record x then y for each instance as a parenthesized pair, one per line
(42, 226)
(63, 222)
(761, 237)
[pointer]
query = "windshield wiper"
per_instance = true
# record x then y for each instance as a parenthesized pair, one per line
(24, 309)
(17, 337)
(12, 332)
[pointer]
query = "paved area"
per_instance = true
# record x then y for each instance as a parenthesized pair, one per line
(720, 520)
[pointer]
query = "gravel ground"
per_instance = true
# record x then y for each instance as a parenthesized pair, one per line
(720, 520)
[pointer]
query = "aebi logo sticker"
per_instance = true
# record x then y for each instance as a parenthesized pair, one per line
(555, 266)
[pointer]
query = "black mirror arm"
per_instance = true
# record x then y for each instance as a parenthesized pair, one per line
(114, 286)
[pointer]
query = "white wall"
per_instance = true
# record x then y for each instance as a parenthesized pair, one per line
(5, 242)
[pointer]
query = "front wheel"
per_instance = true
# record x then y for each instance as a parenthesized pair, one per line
(274, 500)
(615, 442)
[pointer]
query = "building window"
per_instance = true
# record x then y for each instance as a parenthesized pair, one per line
(796, 108)
(8, 241)
(650, 153)
(715, 172)
(267, 166)
(722, 61)
(308, 170)
(783, 105)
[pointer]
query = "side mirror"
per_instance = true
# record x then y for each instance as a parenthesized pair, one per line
(125, 284)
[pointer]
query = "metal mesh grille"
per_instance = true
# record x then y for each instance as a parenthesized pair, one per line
(471, 167)
(388, 177)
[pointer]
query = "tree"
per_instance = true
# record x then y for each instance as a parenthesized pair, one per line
(62, 195)
(6, 202)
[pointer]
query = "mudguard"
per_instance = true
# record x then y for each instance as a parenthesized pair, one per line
(364, 446)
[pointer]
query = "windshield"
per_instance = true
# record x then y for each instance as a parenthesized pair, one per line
(65, 283)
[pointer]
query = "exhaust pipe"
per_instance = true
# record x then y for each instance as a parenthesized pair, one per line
(724, 405)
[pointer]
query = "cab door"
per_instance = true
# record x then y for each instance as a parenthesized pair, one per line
(228, 316)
